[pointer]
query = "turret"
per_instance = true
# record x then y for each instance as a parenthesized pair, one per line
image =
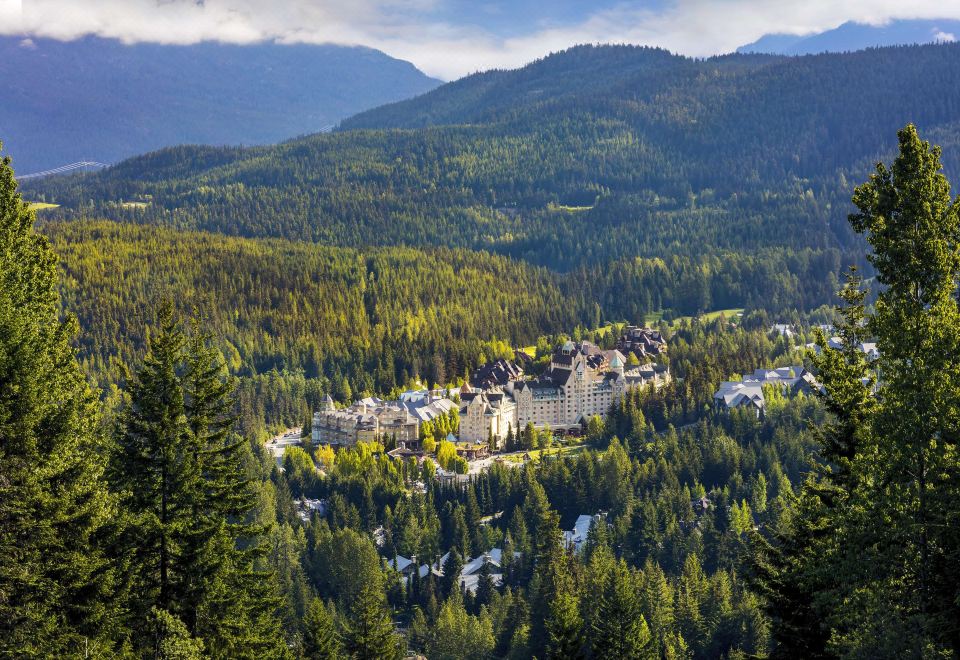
(616, 364)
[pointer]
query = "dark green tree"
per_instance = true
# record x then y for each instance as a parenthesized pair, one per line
(156, 470)
(57, 586)
(565, 633)
(182, 477)
(485, 586)
(913, 227)
(320, 638)
(452, 567)
(619, 629)
(369, 631)
(788, 568)
(169, 638)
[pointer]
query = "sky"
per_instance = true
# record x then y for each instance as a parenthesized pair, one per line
(451, 38)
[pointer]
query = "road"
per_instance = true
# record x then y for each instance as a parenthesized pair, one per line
(279, 443)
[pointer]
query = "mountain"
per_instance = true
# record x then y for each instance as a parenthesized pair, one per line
(662, 181)
(100, 99)
(853, 36)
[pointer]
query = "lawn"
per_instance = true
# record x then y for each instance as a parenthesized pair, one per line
(654, 318)
(710, 316)
(537, 454)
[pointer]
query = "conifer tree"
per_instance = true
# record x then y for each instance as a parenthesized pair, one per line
(565, 637)
(320, 638)
(549, 581)
(156, 469)
(485, 586)
(369, 633)
(182, 478)
(58, 590)
(788, 569)
(619, 629)
(451, 573)
(170, 639)
(913, 227)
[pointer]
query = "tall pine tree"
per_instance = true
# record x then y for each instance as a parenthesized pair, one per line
(57, 587)
(181, 473)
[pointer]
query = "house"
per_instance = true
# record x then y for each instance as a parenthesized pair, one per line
(404, 566)
(306, 507)
(577, 537)
(749, 391)
(403, 453)
(471, 571)
(739, 394)
(702, 505)
(783, 329)
(642, 342)
(408, 567)
(496, 374)
(868, 348)
(646, 375)
(446, 477)
(472, 451)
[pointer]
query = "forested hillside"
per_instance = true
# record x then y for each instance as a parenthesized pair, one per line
(312, 318)
(296, 321)
(588, 158)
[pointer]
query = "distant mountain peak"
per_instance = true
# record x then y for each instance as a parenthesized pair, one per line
(100, 99)
(852, 36)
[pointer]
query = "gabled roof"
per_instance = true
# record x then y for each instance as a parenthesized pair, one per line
(401, 563)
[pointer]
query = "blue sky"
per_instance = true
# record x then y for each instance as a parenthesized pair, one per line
(450, 38)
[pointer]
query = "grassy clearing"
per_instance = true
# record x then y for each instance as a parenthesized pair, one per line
(536, 455)
(134, 205)
(568, 209)
(39, 206)
(710, 316)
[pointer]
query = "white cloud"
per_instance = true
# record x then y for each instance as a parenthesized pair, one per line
(10, 11)
(410, 30)
(940, 36)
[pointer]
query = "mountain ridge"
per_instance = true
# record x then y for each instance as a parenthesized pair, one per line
(852, 36)
(99, 99)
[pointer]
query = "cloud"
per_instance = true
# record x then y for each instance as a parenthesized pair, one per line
(944, 37)
(422, 32)
(10, 11)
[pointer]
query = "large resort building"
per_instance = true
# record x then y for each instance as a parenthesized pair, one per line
(364, 421)
(487, 416)
(581, 381)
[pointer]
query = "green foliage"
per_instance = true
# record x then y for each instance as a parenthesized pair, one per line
(875, 517)
(456, 634)
(295, 321)
(369, 632)
(321, 640)
(58, 586)
(619, 629)
(169, 639)
(655, 156)
(182, 481)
